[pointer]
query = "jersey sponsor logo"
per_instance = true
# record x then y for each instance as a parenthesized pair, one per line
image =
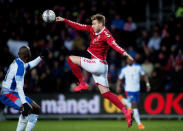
(89, 61)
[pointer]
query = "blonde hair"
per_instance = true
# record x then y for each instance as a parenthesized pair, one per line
(100, 18)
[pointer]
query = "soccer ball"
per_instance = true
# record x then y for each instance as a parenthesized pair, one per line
(48, 16)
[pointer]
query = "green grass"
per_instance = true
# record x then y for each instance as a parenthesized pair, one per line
(97, 125)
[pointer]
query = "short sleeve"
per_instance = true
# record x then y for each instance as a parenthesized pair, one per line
(121, 75)
(142, 72)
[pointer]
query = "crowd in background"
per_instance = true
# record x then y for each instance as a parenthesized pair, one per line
(159, 50)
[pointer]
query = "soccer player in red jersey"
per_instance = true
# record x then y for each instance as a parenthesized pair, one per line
(101, 40)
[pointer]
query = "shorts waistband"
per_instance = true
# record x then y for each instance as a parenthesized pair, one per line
(5, 90)
(102, 61)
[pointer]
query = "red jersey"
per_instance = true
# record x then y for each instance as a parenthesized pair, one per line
(100, 42)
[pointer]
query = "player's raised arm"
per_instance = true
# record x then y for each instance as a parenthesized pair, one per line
(35, 62)
(111, 41)
(74, 25)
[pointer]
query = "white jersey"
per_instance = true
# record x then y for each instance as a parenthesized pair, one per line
(14, 79)
(131, 74)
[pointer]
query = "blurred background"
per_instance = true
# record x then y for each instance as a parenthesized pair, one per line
(150, 30)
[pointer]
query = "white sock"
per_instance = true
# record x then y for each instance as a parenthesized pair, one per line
(32, 119)
(136, 116)
(21, 123)
(126, 102)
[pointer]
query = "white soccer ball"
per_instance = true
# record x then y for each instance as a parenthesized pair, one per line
(48, 16)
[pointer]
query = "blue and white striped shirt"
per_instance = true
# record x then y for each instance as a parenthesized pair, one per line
(14, 79)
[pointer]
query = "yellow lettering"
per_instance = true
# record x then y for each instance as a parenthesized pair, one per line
(110, 108)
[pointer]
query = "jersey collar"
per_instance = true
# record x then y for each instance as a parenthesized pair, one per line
(21, 60)
(100, 31)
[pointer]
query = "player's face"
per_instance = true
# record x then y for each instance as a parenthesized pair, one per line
(97, 26)
(129, 62)
(29, 55)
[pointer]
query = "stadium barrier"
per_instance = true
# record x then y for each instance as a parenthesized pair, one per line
(93, 106)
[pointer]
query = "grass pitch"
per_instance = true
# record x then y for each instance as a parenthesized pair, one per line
(97, 125)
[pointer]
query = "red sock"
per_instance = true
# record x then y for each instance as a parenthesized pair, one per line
(115, 100)
(75, 70)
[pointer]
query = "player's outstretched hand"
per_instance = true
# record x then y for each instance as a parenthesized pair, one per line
(44, 53)
(128, 56)
(59, 19)
(26, 109)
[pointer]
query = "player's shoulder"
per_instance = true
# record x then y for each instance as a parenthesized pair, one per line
(124, 68)
(13, 63)
(20, 67)
(13, 66)
(137, 66)
(19, 63)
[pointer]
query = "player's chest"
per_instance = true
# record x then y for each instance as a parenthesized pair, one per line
(132, 71)
(97, 39)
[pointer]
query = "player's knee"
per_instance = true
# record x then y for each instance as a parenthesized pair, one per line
(74, 59)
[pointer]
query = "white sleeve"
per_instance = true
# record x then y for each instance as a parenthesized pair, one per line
(142, 72)
(33, 63)
(121, 75)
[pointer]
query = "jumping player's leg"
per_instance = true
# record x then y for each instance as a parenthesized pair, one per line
(116, 101)
(126, 102)
(106, 93)
(74, 63)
